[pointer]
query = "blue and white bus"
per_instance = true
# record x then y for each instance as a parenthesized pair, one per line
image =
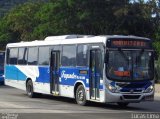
(113, 68)
(2, 56)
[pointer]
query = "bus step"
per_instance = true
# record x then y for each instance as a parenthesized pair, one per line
(55, 93)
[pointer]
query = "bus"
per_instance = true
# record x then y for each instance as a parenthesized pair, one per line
(2, 56)
(106, 69)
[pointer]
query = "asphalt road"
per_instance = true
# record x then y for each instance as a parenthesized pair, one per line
(15, 104)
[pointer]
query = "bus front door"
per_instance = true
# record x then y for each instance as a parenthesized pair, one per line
(94, 83)
(54, 72)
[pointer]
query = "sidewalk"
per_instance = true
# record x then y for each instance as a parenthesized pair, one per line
(157, 90)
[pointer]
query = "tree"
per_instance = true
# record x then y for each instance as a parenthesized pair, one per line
(32, 21)
(21, 20)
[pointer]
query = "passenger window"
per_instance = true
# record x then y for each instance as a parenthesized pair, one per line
(32, 55)
(69, 55)
(22, 56)
(82, 59)
(13, 54)
(43, 55)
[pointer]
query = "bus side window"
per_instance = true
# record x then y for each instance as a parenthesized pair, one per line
(22, 56)
(32, 55)
(43, 59)
(82, 57)
(13, 56)
(69, 55)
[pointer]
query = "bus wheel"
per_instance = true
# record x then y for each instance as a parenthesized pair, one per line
(29, 89)
(81, 96)
(123, 104)
(2, 83)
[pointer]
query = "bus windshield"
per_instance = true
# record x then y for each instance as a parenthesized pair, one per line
(130, 65)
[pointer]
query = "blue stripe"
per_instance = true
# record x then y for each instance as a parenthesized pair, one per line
(44, 75)
(68, 76)
(12, 72)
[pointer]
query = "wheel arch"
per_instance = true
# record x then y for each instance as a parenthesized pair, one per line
(77, 83)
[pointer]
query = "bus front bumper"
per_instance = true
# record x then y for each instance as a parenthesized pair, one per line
(130, 98)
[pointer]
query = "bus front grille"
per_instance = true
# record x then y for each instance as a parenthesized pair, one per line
(131, 92)
(131, 96)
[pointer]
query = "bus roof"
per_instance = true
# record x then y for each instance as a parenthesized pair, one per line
(71, 39)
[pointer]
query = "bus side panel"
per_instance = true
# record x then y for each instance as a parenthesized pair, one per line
(69, 76)
(11, 72)
(15, 77)
(44, 74)
(39, 76)
(42, 82)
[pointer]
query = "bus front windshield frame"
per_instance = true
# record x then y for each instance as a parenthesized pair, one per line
(130, 65)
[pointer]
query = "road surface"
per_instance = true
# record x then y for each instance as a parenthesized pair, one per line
(15, 104)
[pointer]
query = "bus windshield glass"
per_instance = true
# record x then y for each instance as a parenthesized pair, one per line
(130, 65)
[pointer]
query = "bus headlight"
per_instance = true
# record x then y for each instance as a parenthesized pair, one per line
(112, 88)
(149, 89)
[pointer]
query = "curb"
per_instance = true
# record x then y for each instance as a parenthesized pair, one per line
(157, 90)
(157, 94)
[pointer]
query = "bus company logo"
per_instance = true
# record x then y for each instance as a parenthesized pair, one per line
(131, 91)
(70, 76)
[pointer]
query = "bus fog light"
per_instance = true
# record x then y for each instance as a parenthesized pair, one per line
(149, 89)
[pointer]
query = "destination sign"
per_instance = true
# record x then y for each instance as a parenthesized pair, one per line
(129, 43)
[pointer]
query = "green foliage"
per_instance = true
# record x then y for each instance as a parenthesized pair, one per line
(32, 21)
(21, 20)
(5, 34)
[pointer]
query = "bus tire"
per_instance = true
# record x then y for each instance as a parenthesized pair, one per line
(2, 83)
(123, 104)
(81, 95)
(29, 89)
